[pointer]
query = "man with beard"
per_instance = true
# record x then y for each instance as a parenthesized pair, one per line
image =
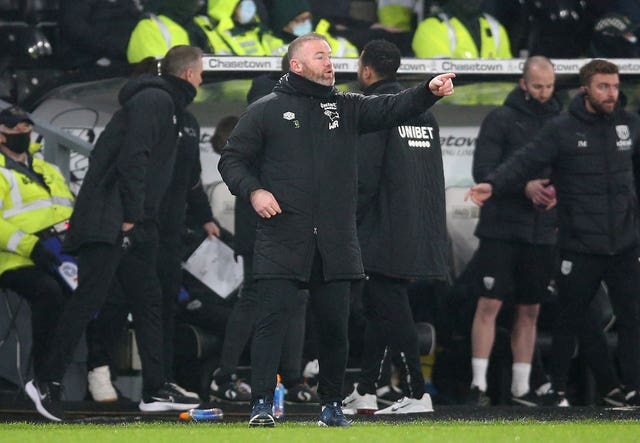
(402, 233)
(593, 155)
(516, 231)
(302, 140)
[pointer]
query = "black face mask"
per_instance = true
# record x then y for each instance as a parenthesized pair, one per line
(18, 143)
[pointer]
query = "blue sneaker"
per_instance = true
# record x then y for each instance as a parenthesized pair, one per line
(262, 414)
(332, 415)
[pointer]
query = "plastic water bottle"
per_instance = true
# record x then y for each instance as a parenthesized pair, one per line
(202, 415)
(278, 399)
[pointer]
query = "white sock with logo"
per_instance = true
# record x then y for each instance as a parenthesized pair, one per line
(520, 378)
(479, 368)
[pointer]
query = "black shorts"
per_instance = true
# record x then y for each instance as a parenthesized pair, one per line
(510, 269)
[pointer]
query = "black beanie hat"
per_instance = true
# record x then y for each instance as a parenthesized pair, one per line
(282, 12)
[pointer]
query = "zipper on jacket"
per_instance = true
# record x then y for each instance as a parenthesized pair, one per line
(607, 165)
(315, 230)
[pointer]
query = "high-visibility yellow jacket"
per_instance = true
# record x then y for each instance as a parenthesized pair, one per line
(27, 207)
(447, 37)
(396, 13)
(155, 35)
(255, 40)
(243, 40)
(340, 46)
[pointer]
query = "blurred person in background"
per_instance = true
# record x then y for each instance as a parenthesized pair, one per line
(35, 205)
(172, 23)
(593, 154)
(517, 232)
(239, 26)
(461, 30)
(292, 18)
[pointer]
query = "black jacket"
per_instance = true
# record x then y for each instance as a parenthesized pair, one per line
(245, 218)
(512, 216)
(185, 193)
(401, 207)
(132, 161)
(303, 137)
(594, 159)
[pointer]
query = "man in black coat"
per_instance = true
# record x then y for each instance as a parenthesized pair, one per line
(402, 233)
(517, 232)
(114, 227)
(302, 139)
(593, 154)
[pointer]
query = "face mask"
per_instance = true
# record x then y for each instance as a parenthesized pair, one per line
(302, 28)
(18, 143)
(246, 11)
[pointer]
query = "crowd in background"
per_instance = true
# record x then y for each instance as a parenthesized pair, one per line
(60, 41)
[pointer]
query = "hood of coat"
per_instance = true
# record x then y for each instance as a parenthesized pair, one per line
(294, 84)
(518, 100)
(182, 92)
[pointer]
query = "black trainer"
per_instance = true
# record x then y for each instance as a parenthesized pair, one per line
(632, 398)
(529, 399)
(262, 414)
(301, 393)
(332, 415)
(235, 390)
(389, 394)
(615, 397)
(553, 398)
(167, 398)
(621, 397)
(47, 397)
(478, 397)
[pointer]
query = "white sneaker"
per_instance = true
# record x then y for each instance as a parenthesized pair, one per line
(184, 392)
(408, 405)
(359, 404)
(99, 385)
(311, 369)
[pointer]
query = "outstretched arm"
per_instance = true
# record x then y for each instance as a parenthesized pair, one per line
(442, 85)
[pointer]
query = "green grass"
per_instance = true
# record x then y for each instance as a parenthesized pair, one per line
(416, 432)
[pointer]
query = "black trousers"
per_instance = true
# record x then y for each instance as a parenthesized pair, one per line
(578, 280)
(105, 331)
(389, 325)
(240, 326)
(135, 270)
(46, 296)
(329, 302)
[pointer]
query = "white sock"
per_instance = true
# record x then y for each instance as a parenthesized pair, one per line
(479, 368)
(520, 378)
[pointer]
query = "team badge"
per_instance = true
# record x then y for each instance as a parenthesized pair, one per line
(623, 132)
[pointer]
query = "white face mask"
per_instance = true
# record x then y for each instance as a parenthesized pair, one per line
(302, 28)
(246, 11)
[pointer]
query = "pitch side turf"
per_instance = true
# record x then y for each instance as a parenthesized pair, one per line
(308, 432)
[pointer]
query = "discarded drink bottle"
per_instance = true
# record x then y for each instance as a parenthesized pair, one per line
(278, 399)
(202, 415)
